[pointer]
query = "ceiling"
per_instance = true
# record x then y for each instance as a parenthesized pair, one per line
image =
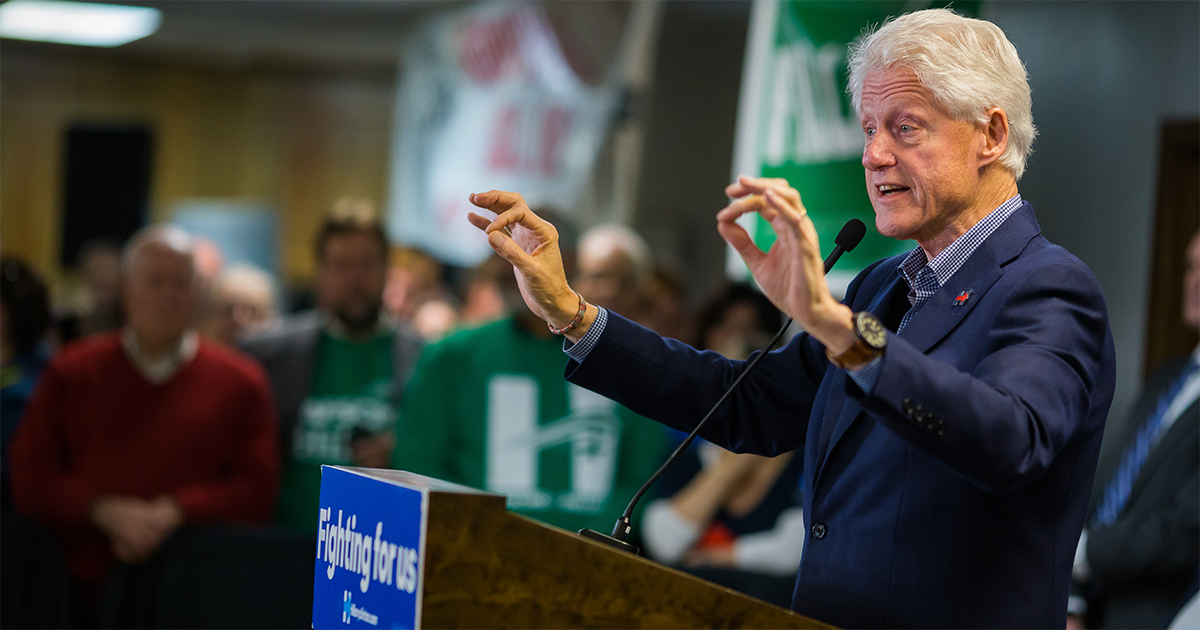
(334, 36)
(347, 35)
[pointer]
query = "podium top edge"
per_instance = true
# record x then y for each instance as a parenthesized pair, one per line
(410, 480)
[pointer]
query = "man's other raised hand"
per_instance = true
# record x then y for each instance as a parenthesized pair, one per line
(791, 273)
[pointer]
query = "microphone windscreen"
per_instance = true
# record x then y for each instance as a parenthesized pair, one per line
(852, 233)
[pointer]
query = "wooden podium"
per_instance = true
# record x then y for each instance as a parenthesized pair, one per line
(485, 567)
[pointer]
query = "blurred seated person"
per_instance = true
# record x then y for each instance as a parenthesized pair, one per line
(738, 321)
(483, 300)
(1139, 554)
(666, 303)
(415, 294)
(337, 372)
(95, 306)
(737, 520)
(614, 265)
(24, 320)
(734, 519)
(488, 408)
(242, 300)
(133, 433)
(434, 319)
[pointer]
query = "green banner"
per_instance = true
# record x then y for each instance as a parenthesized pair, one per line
(796, 121)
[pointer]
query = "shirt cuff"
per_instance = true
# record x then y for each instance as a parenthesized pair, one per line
(579, 351)
(867, 375)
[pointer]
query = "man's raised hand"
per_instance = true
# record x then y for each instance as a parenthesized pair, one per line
(530, 244)
(791, 273)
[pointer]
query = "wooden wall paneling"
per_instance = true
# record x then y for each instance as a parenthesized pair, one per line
(31, 144)
(296, 141)
(338, 145)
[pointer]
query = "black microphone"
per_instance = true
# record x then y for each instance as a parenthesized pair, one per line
(851, 235)
(847, 239)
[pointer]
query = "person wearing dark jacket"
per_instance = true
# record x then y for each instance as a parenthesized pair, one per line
(1141, 550)
(950, 408)
(337, 373)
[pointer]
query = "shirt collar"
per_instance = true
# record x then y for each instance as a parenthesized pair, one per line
(160, 370)
(953, 257)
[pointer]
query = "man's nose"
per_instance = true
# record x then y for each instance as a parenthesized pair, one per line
(877, 154)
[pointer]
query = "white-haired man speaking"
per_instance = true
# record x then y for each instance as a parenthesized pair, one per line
(950, 409)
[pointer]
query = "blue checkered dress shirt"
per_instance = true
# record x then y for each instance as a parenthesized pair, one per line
(925, 277)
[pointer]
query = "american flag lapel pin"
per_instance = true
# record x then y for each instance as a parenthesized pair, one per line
(963, 297)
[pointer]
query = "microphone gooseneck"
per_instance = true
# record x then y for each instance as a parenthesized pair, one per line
(847, 239)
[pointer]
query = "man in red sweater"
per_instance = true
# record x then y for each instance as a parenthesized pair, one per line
(133, 433)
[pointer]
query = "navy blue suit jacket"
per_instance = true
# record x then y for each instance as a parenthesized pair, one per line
(954, 493)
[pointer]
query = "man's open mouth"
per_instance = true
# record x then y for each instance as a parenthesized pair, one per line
(888, 190)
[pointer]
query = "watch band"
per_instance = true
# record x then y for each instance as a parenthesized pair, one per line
(854, 357)
(867, 327)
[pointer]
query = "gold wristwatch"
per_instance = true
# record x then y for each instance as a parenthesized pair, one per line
(870, 338)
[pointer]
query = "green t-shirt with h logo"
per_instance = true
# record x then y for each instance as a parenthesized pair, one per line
(489, 408)
(349, 396)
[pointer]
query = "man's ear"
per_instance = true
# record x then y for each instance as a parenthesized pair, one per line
(995, 136)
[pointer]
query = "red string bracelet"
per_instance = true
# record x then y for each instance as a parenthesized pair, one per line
(574, 322)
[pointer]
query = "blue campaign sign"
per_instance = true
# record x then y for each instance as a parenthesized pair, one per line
(370, 549)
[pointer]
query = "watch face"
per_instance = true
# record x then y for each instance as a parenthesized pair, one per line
(871, 330)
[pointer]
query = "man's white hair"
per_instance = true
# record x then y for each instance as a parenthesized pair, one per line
(968, 65)
(168, 236)
(602, 240)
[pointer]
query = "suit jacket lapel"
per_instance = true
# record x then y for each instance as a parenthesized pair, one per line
(942, 312)
(832, 429)
(938, 315)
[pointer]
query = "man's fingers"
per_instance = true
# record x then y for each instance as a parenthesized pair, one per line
(521, 216)
(762, 184)
(740, 241)
(478, 221)
(497, 200)
(746, 185)
(508, 249)
(745, 205)
(790, 215)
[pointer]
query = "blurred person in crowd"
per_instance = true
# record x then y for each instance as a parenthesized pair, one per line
(614, 264)
(337, 372)
(488, 408)
(1140, 552)
(434, 319)
(24, 320)
(96, 305)
(415, 294)
(666, 303)
(242, 299)
(413, 278)
(210, 261)
(131, 434)
(735, 519)
(737, 321)
(483, 299)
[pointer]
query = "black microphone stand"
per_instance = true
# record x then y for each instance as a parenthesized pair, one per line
(847, 239)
